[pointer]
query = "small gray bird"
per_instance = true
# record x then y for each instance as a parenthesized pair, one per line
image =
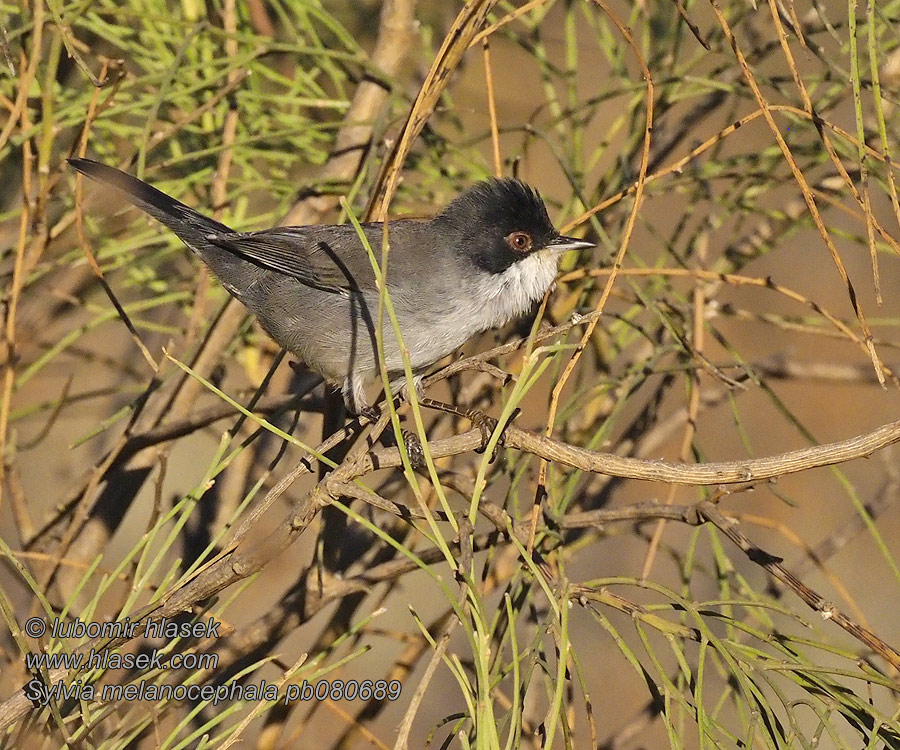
(484, 260)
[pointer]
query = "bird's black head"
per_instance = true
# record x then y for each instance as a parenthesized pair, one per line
(497, 223)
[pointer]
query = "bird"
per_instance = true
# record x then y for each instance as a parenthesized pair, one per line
(481, 262)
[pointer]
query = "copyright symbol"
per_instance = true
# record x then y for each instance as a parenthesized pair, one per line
(35, 627)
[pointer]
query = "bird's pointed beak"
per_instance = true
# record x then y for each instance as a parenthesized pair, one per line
(563, 244)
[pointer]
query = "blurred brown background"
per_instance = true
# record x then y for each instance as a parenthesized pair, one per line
(773, 374)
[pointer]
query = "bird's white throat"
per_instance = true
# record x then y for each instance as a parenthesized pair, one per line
(490, 301)
(512, 293)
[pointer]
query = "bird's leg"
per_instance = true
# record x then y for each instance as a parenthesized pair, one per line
(355, 399)
(414, 448)
(370, 413)
(399, 387)
(354, 393)
(482, 421)
(413, 445)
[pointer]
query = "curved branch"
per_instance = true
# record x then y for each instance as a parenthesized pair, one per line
(725, 472)
(243, 559)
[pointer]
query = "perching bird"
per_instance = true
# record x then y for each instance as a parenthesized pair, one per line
(483, 261)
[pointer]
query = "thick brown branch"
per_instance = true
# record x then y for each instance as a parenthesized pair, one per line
(244, 560)
(726, 472)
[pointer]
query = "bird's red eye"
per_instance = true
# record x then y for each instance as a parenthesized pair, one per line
(519, 241)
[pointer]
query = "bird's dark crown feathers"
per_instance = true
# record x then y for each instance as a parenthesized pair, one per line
(481, 218)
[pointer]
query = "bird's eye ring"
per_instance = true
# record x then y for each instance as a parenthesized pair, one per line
(519, 241)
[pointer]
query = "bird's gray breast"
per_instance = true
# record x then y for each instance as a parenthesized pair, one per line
(438, 307)
(443, 311)
(335, 333)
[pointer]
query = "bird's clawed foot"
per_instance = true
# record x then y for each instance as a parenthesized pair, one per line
(414, 449)
(482, 421)
(487, 425)
(413, 445)
(370, 414)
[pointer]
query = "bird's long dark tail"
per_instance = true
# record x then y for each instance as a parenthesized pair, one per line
(192, 227)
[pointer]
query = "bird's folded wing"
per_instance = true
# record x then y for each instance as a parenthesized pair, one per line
(321, 263)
